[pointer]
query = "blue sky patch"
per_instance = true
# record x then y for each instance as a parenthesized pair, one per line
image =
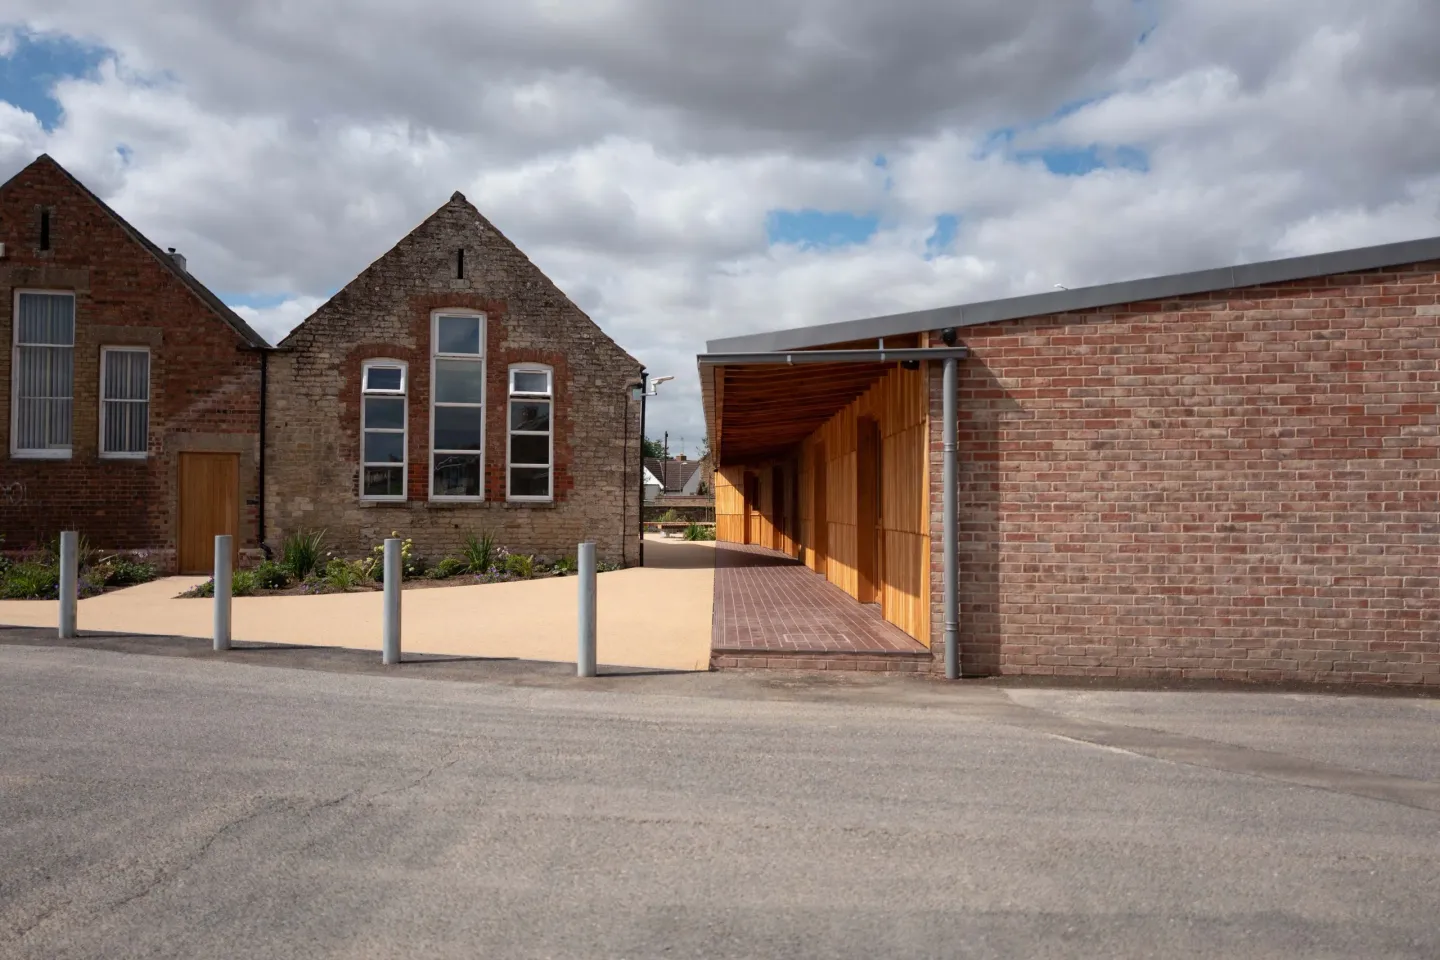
(883, 163)
(255, 301)
(36, 64)
(942, 238)
(819, 228)
(1078, 161)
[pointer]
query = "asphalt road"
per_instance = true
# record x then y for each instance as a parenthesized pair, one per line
(183, 807)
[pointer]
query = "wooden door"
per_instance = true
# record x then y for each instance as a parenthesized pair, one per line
(780, 530)
(209, 506)
(792, 507)
(752, 508)
(820, 534)
(867, 509)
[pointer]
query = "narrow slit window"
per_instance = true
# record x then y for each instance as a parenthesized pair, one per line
(44, 229)
(457, 406)
(383, 430)
(124, 402)
(531, 454)
(43, 385)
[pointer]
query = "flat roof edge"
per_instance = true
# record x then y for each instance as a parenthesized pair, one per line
(1087, 298)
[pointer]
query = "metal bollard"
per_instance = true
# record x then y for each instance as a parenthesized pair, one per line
(585, 661)
(223, 581)
(390, 641)
(69, 581)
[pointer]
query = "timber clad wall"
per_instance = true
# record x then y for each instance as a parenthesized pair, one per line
(385, 313)
(897, 403)
(729, 505)
(204, 377)
(898, 406)
(1239, 485)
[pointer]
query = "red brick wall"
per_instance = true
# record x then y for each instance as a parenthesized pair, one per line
(1240, 485)
(499, 358)
(204, 379)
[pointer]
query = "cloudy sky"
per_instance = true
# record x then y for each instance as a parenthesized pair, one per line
(690, 170)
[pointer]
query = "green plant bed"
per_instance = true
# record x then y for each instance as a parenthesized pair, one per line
(36, 576)
(249, 583)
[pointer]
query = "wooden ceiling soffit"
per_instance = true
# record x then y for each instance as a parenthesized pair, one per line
(769, 408)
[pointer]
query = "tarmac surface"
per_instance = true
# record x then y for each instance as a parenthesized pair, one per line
(157, 800)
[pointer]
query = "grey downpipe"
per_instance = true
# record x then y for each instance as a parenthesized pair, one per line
(640, 477)
(260, 510)
(951, 521)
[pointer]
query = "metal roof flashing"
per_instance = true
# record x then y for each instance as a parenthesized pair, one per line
(1085, 298)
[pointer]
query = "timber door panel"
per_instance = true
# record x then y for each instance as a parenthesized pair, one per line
(819, 515)
(781, 529)
(752, 508)
(209, 506)
(867, 509)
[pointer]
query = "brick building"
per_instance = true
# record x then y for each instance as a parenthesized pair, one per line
(1229, 474)
(129, 395)
(451, 389)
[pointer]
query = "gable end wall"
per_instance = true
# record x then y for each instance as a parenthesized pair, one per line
(314, 404)
(204, 379)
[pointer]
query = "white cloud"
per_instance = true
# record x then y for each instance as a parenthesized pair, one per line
(634, 147)
(273, 323)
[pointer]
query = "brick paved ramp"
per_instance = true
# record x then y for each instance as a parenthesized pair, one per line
(773, 611)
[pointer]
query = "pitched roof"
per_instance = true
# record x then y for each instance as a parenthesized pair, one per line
(1086, 298)
(203, 293)
(490, 234)
(672, 473)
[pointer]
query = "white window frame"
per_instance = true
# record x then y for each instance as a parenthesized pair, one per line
(481, 359)
(149, 368)
(549, 395)
(15, 449)
(403, 394)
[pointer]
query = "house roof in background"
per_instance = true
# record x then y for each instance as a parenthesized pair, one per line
(672, 473)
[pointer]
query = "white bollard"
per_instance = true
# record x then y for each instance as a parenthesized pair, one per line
(585, 660)
(69, 581)
(223, 579)
(390, 639)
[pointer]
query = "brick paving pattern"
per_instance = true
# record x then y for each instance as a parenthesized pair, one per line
(766, 601)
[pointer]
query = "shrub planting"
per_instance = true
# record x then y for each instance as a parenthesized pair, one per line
(302, 553)
(481, 553)
(449, 567)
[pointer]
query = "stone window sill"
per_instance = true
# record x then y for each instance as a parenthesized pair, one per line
(461, 505)
(489, 505)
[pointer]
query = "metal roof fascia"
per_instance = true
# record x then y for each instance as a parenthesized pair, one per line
(1087, 298)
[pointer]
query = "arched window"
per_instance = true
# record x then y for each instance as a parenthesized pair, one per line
(457, 405)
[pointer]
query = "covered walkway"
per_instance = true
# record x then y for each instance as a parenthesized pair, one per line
(773, 611)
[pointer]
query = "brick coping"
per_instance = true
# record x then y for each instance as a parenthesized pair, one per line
(920, 654)
(866, 662)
